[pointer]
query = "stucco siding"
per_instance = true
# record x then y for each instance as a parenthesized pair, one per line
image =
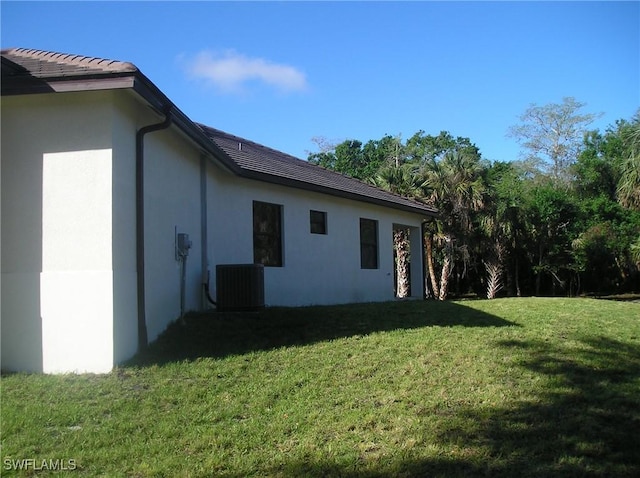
(172, 204)
(317, 268)
(76, 282)
(125, 121)
(69, 273)
(42, 135)
(21, 322)
(21, 190)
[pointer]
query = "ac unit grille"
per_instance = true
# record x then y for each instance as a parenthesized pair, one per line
(240, 287)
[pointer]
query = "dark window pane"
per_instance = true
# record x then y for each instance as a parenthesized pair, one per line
(368, 244)
(318, 222)
(267, 234)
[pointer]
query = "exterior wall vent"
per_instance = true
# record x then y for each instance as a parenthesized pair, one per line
(240, 287)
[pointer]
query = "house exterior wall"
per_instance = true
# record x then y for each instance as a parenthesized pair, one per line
(126, 119)
(172, 204)
(69, 300)
(317, 268)
(76, 282)
(57, 282)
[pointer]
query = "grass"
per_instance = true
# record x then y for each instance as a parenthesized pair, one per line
(526, 387)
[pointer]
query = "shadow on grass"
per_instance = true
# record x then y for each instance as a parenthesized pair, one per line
(214, 334)
(585, 424)
(581, 419)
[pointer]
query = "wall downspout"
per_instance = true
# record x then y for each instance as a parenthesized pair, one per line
(204, 260)
(423, 258)
(204, 229)
(140, 241)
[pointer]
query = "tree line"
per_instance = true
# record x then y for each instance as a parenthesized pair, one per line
(562, 220)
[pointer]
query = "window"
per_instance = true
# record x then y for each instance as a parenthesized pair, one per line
(318, 222)
(368, 244)
(267, 234)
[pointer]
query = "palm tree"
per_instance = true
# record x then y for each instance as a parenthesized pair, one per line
(400, 179)
(454, 185)
(432, 231)
(502, 223)
(629, 184)
(499, 233)
(635, 252)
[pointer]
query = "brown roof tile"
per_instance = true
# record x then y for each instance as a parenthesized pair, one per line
(252, 157)
(46, 64)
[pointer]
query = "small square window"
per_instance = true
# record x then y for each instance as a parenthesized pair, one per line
(318, 222)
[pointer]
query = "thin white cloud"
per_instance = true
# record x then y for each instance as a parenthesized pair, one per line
(230, 71)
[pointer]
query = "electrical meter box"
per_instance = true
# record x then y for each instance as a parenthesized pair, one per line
(183, 244)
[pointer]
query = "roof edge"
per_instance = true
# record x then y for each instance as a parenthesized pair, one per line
(103, 64)
(424, 210)
(118, 75)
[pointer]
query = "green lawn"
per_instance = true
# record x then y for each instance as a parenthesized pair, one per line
(510, 387)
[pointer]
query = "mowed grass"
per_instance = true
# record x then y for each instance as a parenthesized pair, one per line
(509, 387)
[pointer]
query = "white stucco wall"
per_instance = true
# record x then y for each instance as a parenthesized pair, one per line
(125, 300)
(172, 202)
(69, 301)
(56, 252)
(76, 283)
(317, 269)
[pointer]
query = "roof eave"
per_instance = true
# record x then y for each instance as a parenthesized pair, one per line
(25, 85)
(135, 80)
(282, 181)
(21, 84)
(160, 102)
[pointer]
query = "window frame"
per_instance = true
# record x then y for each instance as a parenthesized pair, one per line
(320, 226)
(268, 243)
(369, 244)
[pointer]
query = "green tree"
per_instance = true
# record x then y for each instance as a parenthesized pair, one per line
(502, 224)
(635, 252)
(605, 233)
(605, 185)
(454, 185)
(427, 152)
(597, 169)
(629, 184)
(359, 160)
(551, 215)
(346, 157)
(400, 179)
(422, 148)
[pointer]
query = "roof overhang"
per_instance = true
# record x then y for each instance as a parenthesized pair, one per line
(282, 181)
(17, 80)
(21, 85)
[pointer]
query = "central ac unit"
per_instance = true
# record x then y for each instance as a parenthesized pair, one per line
(240, 287)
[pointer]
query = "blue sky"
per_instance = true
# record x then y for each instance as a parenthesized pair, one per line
(281, 73)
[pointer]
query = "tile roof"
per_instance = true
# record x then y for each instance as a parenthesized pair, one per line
(46, 64)
(244, 157)
(252, 157)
